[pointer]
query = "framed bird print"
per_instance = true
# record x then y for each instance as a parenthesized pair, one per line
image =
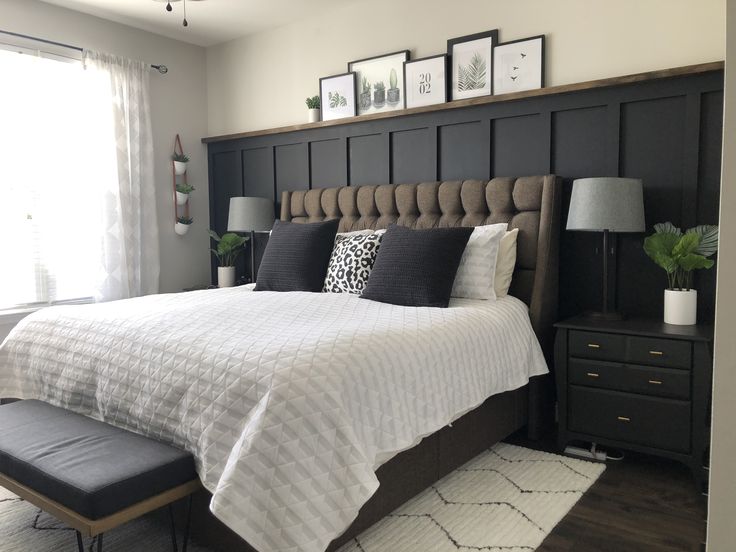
(518, 65)
(472, 64)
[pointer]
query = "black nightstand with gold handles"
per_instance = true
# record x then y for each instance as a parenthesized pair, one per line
(636, 384)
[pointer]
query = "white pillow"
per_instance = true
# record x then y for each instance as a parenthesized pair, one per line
(474, 278)
(505, 263)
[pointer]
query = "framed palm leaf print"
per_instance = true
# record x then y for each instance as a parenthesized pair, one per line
(472, 64)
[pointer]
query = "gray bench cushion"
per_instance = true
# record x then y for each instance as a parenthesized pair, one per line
(86, 465)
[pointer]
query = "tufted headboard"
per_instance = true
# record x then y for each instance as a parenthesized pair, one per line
(532, 204)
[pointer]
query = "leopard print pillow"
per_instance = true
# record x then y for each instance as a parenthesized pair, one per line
(351, 263)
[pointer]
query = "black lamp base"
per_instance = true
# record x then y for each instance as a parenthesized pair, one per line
(596, 315)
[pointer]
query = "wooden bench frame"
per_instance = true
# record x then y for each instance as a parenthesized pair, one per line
(94, 527)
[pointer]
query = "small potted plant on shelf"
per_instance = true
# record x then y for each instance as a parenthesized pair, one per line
(313, 109)
(182, 225)
(393, 96)
(182, 193)
(180, 163)
(365, 94)
(379, 95)
(679, 254)
(229, 246)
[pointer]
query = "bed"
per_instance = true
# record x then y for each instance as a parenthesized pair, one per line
(312, 413)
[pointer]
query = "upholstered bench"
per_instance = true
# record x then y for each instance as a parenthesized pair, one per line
(89, 474)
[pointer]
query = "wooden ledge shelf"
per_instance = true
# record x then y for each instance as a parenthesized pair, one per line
(482, 100)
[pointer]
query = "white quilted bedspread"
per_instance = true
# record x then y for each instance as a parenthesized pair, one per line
(288, 401)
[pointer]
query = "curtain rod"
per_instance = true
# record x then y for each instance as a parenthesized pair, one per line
(160, 68)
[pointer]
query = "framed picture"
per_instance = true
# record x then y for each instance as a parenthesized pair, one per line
(380, 82)
(426, 81)
(337, 95)
(472, 64)
(518, 65)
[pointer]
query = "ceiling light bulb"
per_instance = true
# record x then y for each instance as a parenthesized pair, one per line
(168, 7)
(185, 23)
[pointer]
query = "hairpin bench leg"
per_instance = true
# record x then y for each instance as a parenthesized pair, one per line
(99, 542)
(173, 529)
(186, 526)
(80, 543)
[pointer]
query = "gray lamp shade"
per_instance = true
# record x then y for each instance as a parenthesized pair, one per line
(613, 204)
(250, 214)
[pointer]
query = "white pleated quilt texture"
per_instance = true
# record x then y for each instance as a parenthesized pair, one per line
(289, 402)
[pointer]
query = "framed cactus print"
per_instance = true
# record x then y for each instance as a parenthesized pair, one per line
(472, 64)
(518, 65)
(426, 81)
(380, 82)
(337, 95)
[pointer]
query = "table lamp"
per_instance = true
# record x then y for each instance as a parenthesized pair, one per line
(250, 214)
(606, 205)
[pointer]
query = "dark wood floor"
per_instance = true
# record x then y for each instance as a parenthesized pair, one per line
(640, 503)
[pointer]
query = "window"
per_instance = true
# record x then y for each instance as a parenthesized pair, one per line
(57, 167)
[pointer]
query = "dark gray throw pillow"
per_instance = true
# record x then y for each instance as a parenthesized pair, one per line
(416, 268)
(297, 256)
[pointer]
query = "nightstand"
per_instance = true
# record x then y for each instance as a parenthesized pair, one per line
(636, 384)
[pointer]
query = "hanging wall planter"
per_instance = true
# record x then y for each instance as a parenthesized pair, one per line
(182, 193)
(180, 163)
(182, 225)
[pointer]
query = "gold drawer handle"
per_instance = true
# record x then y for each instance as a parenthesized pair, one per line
(624, 419)
(594, 346)
(657, 353)
(593, 375)
(655, 382)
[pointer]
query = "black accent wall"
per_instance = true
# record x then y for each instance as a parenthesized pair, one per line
(667, 132)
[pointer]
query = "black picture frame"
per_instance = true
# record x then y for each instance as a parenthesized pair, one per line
(452, 42)
(353, 111)
(351, 66)
(445, 88)
(541, 37)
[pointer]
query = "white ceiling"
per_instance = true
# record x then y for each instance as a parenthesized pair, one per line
(210, 21)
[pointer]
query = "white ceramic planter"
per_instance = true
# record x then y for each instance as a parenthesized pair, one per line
(680, 307)
(313, 115)
(225, 276)
(181, 229)
(180, 167)
(181, 198)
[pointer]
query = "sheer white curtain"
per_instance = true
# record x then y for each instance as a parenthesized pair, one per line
(130, 252)
(77, 209)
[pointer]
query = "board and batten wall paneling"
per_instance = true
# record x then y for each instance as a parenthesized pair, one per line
(666, 131)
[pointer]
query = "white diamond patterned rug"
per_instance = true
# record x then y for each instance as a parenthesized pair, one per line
(507, 499)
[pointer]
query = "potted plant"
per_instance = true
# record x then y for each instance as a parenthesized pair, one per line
(393, 95)
(313, 109)
(180, 163)
(679, 254)
(229, 247)
(182, 225)
(365, 94)
(379, 95)
(182, 193)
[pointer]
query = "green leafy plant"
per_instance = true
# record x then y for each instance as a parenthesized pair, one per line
(180, 157)
(393, 79)
(365, 85)
(379, 86)
(184, 220)
(184, 188)
(313, 102)
(473, 75)
(337, 100)
(229, 246)
(680, 254)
